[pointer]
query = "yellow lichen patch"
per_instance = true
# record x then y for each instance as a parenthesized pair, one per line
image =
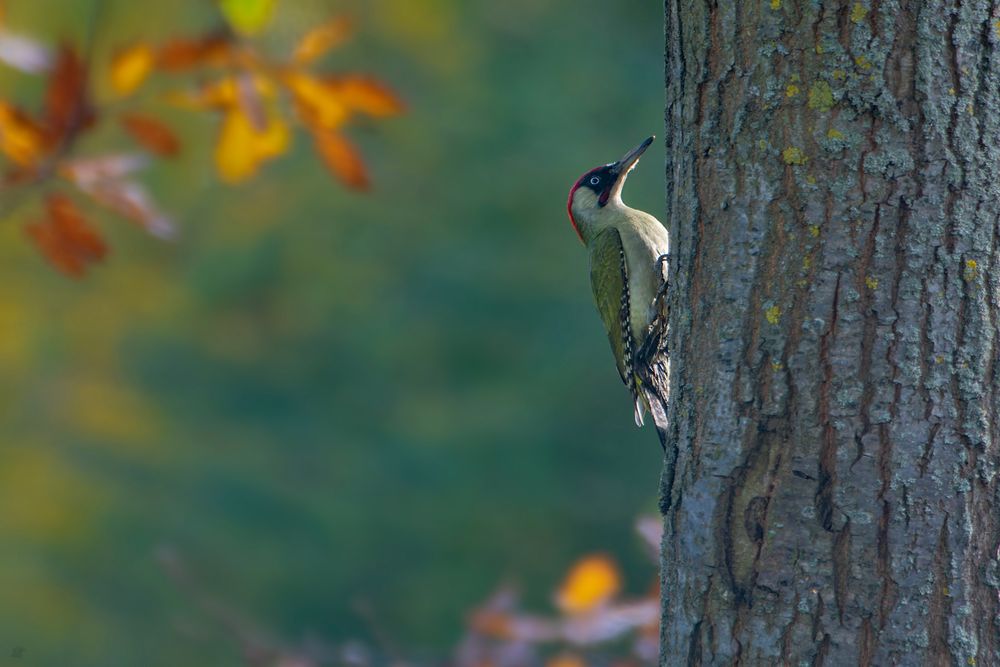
(807, 263)
(775, 4)
(794, 155)
(773, 314)
(838, 75)
(951, 91)
(762, 145)
(971, 270)
(971, 109)
(863, 62)
(833, 133)
(810, 179)
(792, 90)
(801, 284)
(858, 13)
(939, 359)
(776, 366)
(820, 96)
(996, 27)
(871, 282)
(819, 49)
(814, 230)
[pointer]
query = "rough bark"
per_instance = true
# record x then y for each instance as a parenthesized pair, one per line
(832, 195)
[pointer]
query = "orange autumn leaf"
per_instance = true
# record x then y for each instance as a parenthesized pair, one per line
(65, 238)
(318, 103)
(366, 95)
(21, 139)
(183, 54)
(152, 134)
(342, 159)
(242, 147)
(322, 39)
(130, 68)
(591, 582)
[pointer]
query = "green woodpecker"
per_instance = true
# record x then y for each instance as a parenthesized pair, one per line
(628, 249)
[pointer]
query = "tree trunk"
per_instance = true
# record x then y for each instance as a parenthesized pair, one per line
(832, 192)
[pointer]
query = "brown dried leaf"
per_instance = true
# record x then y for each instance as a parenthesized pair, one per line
(67, 109)
(321, 39)
(65, 238)
(342, 159)
(152, 134)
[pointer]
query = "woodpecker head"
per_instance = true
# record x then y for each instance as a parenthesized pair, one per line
(599, 187)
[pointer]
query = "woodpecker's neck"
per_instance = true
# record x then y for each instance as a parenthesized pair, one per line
(589, 217)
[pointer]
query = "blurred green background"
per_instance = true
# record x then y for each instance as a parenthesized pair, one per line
(321, 398)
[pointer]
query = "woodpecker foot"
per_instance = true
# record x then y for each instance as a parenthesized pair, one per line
(661, 261)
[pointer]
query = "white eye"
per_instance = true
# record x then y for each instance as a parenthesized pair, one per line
(594, 180)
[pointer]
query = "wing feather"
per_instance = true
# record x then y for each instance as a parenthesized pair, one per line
(608, 277)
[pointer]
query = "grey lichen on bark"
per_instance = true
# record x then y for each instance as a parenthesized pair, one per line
(833, 197)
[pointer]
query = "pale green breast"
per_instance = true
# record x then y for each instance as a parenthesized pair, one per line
(644, 240)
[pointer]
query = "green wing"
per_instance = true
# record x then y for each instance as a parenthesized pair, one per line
(608, 279)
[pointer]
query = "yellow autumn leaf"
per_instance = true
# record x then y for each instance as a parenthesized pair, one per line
(319, 104)
(20, 140)
(591, 582)
(130, 67)
(322, 39)
(242, 147)
(247, 16)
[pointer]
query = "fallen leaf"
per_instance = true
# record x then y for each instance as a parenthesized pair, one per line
(248, 16)
(342, 159)
(130, 68)
(65, 238)
(321, 39)
(591, 582)
(152, 134)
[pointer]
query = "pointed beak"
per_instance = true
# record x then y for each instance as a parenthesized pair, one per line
(626, 164)
(621, 169)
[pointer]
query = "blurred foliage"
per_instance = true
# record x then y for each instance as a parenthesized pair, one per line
(323, 399)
